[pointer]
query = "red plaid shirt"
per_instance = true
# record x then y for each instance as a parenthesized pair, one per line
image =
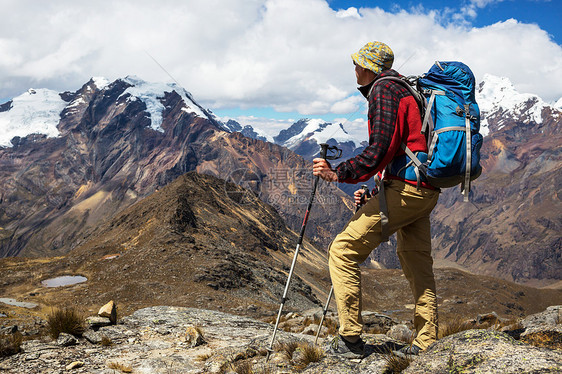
(393, 118)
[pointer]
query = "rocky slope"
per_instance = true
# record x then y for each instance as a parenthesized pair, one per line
(162, 340)
(183, 245)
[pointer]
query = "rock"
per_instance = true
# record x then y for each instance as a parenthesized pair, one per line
(484, 351)
(312, 329)
(66, 340)
(552, 316)
(401, 333)
(544, 329)
(374, 320)
(490, 318)
(9, 330)
(93, 337)
(109, 310)
(95, 322)
(74, 365)
(234, 341)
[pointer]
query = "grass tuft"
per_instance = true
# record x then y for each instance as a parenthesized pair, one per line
(288, 348)
(106, 342)
(454, 326)
(124, 368)
(395, 364)
(204, 357)
(10, 344)
(310, 353)
(66, 320)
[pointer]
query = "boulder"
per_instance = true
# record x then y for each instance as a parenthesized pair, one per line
(109, 310)
(484, 351)
(66, 340)
(95, 322)
(400, 333)
(93, 337)
(490, 318)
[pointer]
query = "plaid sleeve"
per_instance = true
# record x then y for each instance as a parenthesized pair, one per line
(383, 109)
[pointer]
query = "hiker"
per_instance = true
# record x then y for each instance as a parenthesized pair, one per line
(393, 119)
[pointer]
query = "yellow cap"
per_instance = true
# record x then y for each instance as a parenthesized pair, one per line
(375, 56)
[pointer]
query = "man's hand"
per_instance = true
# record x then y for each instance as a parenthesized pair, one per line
(323, 169)
(359, 197)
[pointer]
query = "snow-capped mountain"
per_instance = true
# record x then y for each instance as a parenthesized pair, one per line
(39, 111)
(305, 135)
(108, 145)
(248, 131)
(312, 129)
(500, 103)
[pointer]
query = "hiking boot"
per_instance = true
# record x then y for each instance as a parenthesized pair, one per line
(341, 347)
(412, 350)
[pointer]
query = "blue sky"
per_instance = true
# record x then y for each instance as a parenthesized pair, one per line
(269, 62)
(545, 13)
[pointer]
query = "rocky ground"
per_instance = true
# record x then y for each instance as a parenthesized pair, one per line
(167, 339)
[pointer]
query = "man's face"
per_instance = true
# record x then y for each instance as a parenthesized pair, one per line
(364, 76)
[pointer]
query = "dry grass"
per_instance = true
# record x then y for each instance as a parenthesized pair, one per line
(66, 320)
(10, 344)
(331, 325)
(124, 368)
(454, 326)
(204, 357)
(395, 364)
(288, 348)
(246, 367)
(310, 353)
(544, 339)
(194, 336)
(106, 342)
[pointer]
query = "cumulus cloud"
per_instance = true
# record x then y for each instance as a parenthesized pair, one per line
(292, 55)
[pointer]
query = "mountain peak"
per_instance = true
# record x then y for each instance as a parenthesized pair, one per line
(37, 111)
(498, 97)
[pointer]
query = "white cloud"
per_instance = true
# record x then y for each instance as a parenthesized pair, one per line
(350, 12)
(292, 55)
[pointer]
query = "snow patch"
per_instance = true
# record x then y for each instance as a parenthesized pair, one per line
(100, 82)
(35, 112)
(152, 93)
(558, 104)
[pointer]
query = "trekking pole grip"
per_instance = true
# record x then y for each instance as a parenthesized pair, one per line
(324, 150)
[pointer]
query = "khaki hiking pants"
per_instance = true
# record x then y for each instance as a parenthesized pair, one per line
(408, 215)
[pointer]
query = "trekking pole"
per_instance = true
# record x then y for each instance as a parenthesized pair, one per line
(323, 154)
(365, 194)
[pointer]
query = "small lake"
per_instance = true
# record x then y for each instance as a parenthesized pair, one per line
(14, 302)
(65, 280)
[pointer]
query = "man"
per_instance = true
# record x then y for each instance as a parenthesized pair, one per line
(393, 119)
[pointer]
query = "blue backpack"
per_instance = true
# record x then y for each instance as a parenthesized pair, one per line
(451, 123)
